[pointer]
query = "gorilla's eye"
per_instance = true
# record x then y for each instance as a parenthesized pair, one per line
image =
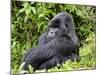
(66, 25)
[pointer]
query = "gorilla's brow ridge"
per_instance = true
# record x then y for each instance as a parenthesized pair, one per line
(54, 23)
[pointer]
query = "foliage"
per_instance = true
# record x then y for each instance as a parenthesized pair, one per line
(30, 19)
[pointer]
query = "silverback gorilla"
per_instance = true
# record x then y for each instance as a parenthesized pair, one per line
(58, 44)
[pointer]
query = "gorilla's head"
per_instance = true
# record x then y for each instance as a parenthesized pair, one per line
(61, 20)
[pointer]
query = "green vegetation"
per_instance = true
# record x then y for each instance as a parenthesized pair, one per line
(29, 21)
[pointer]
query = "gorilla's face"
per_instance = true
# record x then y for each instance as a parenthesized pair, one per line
(62, 20)
(55, 27)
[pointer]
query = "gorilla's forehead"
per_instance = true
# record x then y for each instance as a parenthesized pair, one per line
(62, 16)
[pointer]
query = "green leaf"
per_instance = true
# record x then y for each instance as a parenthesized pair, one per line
(28, 11)
(41, 15)
(25, 4)
(21, 10)
(30, 69)
(25, 19)
(33, 10)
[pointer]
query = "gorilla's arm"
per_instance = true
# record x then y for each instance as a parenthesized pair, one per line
(27, 53)
(39, 55)
(42, 53)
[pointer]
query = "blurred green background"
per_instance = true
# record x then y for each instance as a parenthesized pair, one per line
(29, 20)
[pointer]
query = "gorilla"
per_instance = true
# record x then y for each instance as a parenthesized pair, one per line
(64, 19)
(58, 44)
